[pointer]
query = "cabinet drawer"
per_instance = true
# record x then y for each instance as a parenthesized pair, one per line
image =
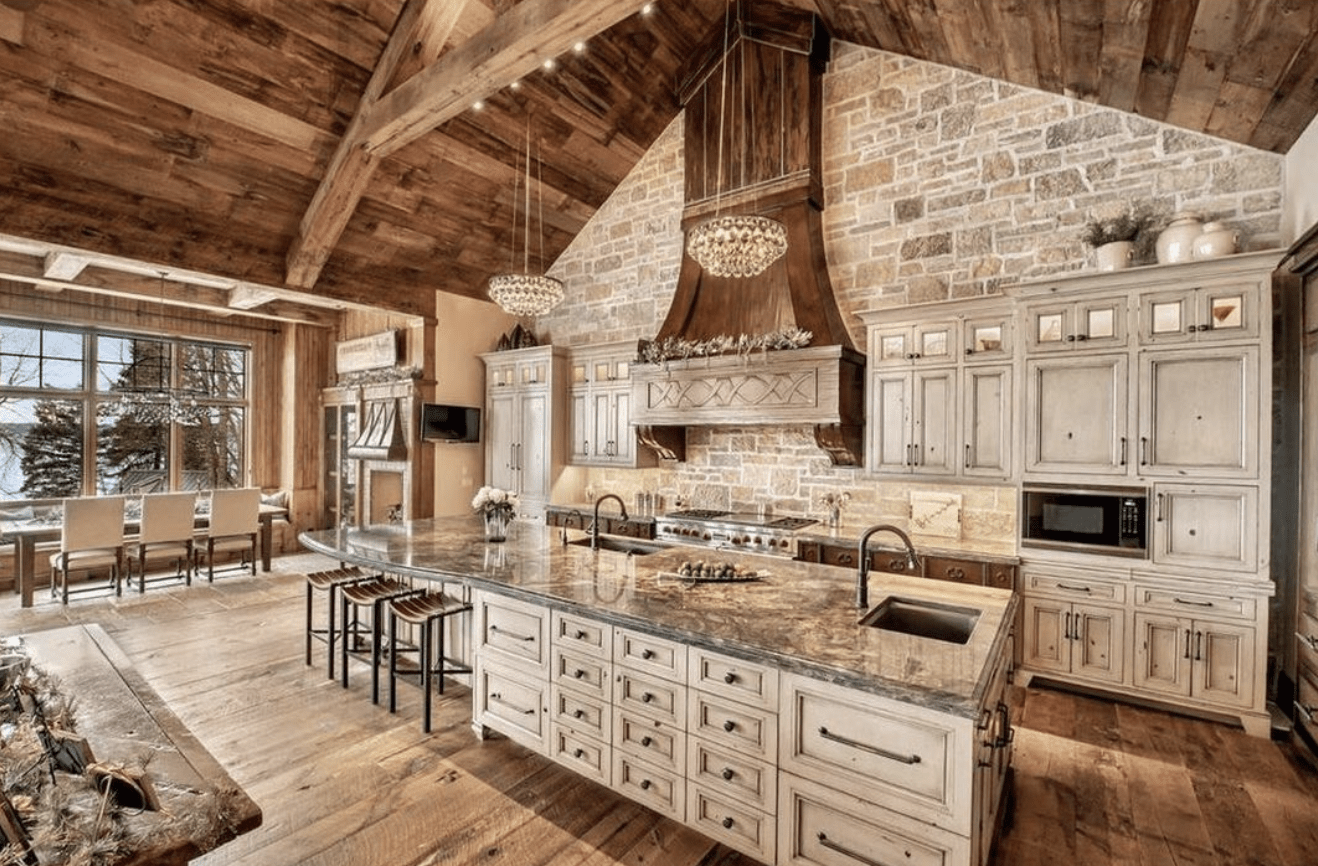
(732, 774)
(650, 696)
(585, 713)
(581, 633)
(1000, 576)
(591, 676)
(513, 706)
(954, 570)
(514, 631)
(750, 730)
(1306, 701)
(584, 755)
(650, 740)
(1074, 587)
(899, 755)
(733, 678)
(1195, 603)
(661, 790)
(650, 654)
(821, 827)
(747, 830)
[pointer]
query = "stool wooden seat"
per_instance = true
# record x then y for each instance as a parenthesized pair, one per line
(328, 582)
(428, 613)
(371, 594)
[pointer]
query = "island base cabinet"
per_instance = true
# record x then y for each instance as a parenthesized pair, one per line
(513, 706)
(584, 755)
(664, 791)
(749, 831)
(818, 826)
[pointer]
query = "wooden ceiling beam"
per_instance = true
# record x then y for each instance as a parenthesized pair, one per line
(516, 44)
(350, 169)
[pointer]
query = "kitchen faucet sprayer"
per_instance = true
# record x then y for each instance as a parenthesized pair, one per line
(862, 582)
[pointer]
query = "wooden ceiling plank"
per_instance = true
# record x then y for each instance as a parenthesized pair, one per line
(350, 168)
(1293, 101)
(1237, 111)
(1169, 33)
(1080, 31)
(1121, 58)
(513, 46)
(966, 31)
(1216, 29)
(145, 73)
(1045, 33)
(433, 33)
(1009, 30)
(11, 25)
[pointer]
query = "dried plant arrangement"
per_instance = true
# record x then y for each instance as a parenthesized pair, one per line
(680, 348)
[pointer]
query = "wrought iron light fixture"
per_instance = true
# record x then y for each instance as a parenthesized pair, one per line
(527, 294)
(734, 245)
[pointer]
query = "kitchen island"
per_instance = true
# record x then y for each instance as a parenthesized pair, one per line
(757, 711)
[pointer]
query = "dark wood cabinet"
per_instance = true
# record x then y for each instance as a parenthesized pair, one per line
(955, 569)
(576, 518)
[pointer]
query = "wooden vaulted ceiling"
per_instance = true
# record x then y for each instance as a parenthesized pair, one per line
(329, 153)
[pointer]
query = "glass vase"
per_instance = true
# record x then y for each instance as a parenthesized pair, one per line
(496, 525)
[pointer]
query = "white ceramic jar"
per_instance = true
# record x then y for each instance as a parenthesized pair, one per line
(1217, 240)
(1115, 255)
(1176, 242)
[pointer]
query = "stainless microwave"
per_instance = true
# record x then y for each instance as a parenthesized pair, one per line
(1104, 520)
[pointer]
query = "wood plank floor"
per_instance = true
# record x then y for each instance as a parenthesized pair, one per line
(343, 783)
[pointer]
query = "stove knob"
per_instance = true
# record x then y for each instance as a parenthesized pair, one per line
(758, 540)
(736, 539)
(706, 536)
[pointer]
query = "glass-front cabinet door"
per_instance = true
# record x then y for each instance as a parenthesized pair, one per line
(1098, 323)
(1229, 312)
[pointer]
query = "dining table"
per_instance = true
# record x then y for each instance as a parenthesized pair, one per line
(26, 535)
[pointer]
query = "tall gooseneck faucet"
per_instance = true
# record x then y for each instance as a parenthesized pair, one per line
(567, 521)
(595, 526)
(862, 582)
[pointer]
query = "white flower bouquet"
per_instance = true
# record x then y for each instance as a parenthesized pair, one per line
(493, 499)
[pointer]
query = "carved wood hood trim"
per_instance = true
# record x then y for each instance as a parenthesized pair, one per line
(772, 150)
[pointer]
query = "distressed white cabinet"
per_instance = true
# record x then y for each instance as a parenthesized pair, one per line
(1073, 624)
(600, 395)
(1077, 414)
(1199, 412)
(1221, 310)
(511, 681)
(1091, 323)
(940, 389)
(524, 423)
(1206, 526)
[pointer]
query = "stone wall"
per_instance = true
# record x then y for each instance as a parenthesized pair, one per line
(939, 184)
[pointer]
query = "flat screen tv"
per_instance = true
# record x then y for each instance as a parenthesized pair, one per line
(443, 423)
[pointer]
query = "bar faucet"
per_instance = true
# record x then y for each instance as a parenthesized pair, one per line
(581, 522)
(862, 583)
(595, 525)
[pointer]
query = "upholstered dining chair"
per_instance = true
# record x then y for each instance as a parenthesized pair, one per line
(92, 538)
(234, 526)
(166, 533)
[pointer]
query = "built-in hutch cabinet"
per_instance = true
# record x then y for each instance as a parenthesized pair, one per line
(599, 408)
(1159, 378)
(782, 767)
(940, 387)
(524, 423)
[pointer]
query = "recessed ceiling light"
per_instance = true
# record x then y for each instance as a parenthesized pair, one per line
(551, 64)
(478, 105)
(647, 9)
(579, 48)
(516, 85)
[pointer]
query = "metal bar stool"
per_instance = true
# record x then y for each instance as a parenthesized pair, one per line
(328, 582)
(428, 612)
(353, 597)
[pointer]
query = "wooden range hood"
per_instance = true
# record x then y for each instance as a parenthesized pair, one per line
(772, 158)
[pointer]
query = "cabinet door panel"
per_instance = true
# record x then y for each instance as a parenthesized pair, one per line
(501, 432)
(1199, 411)
(934, 433)
(1223, 664)
(533, 448)
(986, 420)
(1206, 526)
(890, 423)
(579, 421)
(1078, 414)
(624, 437)
(1046, 644)
(1098, 643)
(601, 430)
(1162, 654)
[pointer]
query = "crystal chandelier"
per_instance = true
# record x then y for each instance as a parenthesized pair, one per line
(737, 246)
(734, 245)
(527, 294)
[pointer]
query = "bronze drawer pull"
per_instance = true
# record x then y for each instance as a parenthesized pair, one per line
(645, 784)
(727, 773)
(577, 753)
(727, 822)
(646, 698)
(1070, 588)
(875, 750)
(647, 654)
(646, 741)
(730, 678)
(846, 852)
(512, 634)
(1191, 601)
(578, 673)
(729, 726)
(496, 698)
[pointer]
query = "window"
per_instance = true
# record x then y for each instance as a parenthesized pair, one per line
(157, 414)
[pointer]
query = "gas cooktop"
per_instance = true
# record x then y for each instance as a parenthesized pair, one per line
(729, 529)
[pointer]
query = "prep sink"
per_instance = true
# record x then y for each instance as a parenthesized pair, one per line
(929, 619)
(628, 546)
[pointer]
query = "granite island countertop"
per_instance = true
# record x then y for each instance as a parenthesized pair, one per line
(797, 616)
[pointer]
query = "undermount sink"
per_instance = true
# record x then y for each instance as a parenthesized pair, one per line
(629, 546)
(929, 619)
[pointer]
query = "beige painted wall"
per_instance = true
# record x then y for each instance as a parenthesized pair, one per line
(1300, 203)
(464, 328)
